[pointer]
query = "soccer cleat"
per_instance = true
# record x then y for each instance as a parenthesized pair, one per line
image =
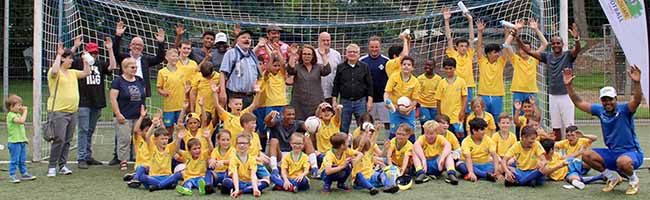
(134, 183)
(202, 187)
(578, 184)
(612, 183)
(374, 191)
(343, 187)
(420, 178)
(327, 189)
(51, 172)
(13, 179)
(632, 189)
(27, 177)
(391, 189)
(314, 173)
(452, 179)
(153, 188)
(490, 177)
(128, 177)
(65, 171)
(293, 189)
(184, 191)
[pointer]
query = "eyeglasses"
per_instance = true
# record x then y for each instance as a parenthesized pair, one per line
(297, 144)
(307, 54)
(243, 143)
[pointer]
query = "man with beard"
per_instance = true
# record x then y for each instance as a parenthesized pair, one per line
(239, 70)
(273, 36)
(214, 47)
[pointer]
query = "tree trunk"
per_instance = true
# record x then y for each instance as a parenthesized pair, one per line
(580, 17)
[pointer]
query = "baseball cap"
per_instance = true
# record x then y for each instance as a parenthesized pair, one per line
(192, 116)
(608, 91)
(92, 47)
(220, 37)
(245, 32)
(273, 27)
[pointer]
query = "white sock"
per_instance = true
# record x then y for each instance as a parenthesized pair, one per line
(274, 162)
(312, 160)
(609, 174)
(634, 179)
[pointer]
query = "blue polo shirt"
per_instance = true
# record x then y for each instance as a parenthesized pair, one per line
(379, 77)
(241, 68)
(618, 129)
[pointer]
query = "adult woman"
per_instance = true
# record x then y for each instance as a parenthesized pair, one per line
(307, 90)
(127, 95)
(62, 107)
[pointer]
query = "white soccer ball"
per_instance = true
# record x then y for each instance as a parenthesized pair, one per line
(403, 103)
(179, 167)
(367, 126)
(312, 124)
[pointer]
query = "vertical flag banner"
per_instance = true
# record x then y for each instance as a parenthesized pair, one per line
(628, 19)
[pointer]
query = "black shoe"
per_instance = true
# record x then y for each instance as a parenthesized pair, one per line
(134, 184)
(490, 177)
(82, 165)
(92, 161)
(374, 191)
(509, 184)
(128, 177)
(153, 188)
(532, 183)
(391, 190)
(115, 161)
(420, 178)
(452, 179)
(209, 189)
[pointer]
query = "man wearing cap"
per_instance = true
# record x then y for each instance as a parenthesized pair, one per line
(623, 154)
(239, 70)
(273, 36)
(91, 99)
(216, 44)
(354, 83)
(334, 57)
(144, 62)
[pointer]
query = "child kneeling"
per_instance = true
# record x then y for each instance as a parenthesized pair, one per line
(337, 163)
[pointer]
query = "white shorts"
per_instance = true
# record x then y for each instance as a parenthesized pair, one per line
(562, 111)
(379, 112)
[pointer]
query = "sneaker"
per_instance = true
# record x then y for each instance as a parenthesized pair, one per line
(153, 188)
(209, 189)
(612, 183)
(92, 161)
(327, 189)
(82, 165)
(134, 183)
(578, 184)
(374, 191)
(632, 189)
(184, 191)
(65, 171)
(13, 179)
(51, 172)
(392, 189)
(115, 161)
(452, 179)
(420, 178)
(344, 187)
(314, 173)
(27, 177)
(490, 177)
(202, 187)
(294, 189)
(128, 177)
(509, 184)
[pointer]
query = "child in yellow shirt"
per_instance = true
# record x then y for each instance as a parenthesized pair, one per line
(570, 173)
(294, 168)
(220, 156)
(462, 51)
(396, 54)
(195, 174)
(575, 143)
(443, 121)
(451, 96)
(242, 169)
(531, 167)
(491, 87)
(400, 149)
(525, 110)
(477, 151)
(400, 85)
(337, 163)
(364, 175)
(504, 139)
(169, 85)
(330, 124)
(248, 122)
(231, 121)
(273, 95)
(159, 173)
(428, 84)
(432, 154)
(478, 111)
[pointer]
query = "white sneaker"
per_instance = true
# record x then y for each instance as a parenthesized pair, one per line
(51, 172)
(578, 184)
(65, 171)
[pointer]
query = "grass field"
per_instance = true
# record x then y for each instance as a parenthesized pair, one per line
(104, 182)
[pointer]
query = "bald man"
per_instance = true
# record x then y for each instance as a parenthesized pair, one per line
(334, 57)
(144, 62)
(560, 105)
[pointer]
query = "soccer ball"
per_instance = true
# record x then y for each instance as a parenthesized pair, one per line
(367, 126)
(179, 167)
(403, 103)
(312, 124)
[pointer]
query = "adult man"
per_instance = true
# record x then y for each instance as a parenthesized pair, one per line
(273, 36)
(281, 127)
(239, 70)
(354, 83)
(334, 57)
(144, 62)
(215, 44)
(377, 64)
(91, 99)
(560, 106)
(623, 154)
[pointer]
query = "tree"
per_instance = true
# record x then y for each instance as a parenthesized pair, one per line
(580, 17)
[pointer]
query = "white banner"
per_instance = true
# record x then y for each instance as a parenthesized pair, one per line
(628, 19)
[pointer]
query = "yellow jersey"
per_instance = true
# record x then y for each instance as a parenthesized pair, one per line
(491, 77)
(274, 90)
(393, 65)
(218, 155)
(161, 161)
(399, 154)
(480, 153)
(243, 168)
(203, 89)
(503, 144)
(451, 138)
(172, 82)
(325, 132)
(295, 167)
(195, 167)
(434, 149)
(399, 87)
(570, 149)
(427, 91)
(560, 174)
(187, 70)
(450, 97)
(524, 78)
(366, 164)
(141, 150)
(331, 160)
(464, 65)
(526, 158)
(204, 141)
(231, 123)
(489, 119)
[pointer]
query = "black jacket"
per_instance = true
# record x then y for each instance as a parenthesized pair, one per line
(147, 61)
(352, 83)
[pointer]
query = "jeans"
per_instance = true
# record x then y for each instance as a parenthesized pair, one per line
(18, 153)
(87, 121)
(64, 124)
(357, 108)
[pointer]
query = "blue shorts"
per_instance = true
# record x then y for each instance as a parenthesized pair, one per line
(427, 114)
(487, 167)
(521, 96)
(522, 175)
(374, 180)
(262, 171)
(493, 105)
(397, 118)
(193, 182)
(470, 95)
(456, 128)
(170, 118)
(575, 168)
(432, 166)
(610, 157)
